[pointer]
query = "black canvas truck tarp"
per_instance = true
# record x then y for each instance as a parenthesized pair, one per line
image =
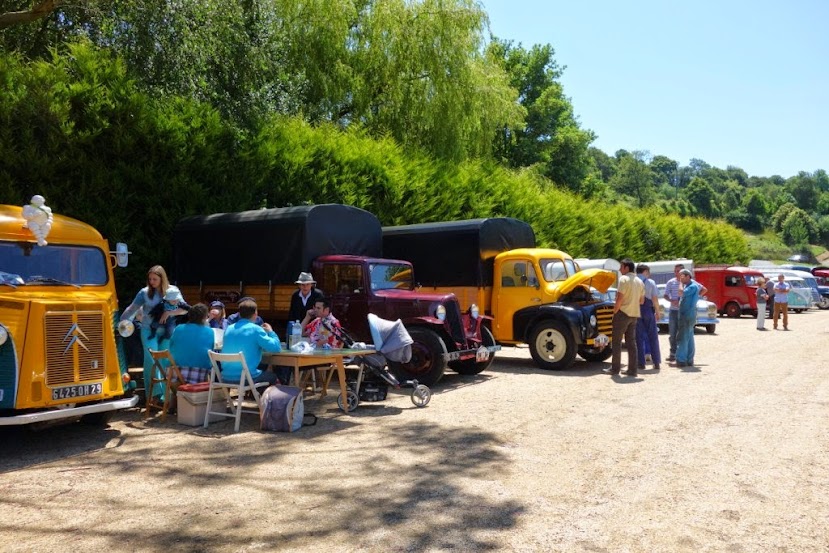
(269, 245)
(456, 253)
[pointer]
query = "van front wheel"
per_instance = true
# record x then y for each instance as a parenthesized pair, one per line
(733, 310)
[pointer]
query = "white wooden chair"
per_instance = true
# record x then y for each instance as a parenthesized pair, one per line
(244, 385)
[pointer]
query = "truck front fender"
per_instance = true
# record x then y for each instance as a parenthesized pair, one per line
(525, 319)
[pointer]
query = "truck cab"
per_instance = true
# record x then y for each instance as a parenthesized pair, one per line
(443, 336)
(58, 317)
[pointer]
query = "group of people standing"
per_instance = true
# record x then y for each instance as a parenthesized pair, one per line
(778, 292)
(636, 311)
(244, 331)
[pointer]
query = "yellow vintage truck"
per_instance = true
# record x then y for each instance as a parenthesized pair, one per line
(58, 317)
(536, 296)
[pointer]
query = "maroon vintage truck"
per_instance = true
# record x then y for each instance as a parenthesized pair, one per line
(260, 253)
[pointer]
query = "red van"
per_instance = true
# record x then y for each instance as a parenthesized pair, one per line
(733, 289)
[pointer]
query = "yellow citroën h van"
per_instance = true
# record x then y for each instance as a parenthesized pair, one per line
(58, 319)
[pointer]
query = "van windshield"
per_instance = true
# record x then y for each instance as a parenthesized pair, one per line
(52, 265)
(389, 276)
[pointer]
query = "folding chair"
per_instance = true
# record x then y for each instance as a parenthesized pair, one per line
(244, 385)
(161, 374)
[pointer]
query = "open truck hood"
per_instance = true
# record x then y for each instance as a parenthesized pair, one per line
(599, 279)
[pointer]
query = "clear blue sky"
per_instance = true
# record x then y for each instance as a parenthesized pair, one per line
(731, 82)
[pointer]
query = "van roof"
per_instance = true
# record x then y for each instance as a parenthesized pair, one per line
(64, 229)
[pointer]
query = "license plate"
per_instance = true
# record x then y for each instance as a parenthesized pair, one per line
(80, 390)
(482, 354)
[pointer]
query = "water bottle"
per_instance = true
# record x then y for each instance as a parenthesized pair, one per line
(296, 333)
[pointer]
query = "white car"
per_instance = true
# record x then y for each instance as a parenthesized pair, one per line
(706, 313)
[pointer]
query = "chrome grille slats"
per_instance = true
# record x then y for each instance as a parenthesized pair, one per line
(74, 344)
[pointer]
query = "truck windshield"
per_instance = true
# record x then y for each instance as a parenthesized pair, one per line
(388, 276)
(53, 265)
(555, 270)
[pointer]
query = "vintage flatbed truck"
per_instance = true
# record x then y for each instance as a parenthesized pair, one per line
(226, 256)
(533, 295)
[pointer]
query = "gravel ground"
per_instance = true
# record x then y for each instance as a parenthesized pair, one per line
(728, 456)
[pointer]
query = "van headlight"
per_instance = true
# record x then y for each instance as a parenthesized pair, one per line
(440, 313)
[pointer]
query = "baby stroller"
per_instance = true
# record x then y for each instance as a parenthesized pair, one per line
(392, 343)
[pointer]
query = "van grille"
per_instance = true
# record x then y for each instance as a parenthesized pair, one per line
(604, 318)
(74, 346)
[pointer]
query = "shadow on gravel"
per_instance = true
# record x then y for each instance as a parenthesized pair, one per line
(27, 446)
(403, 487)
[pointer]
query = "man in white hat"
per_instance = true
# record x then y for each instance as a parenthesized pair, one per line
(303, 300)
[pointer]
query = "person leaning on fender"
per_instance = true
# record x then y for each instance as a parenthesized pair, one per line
(630, 295)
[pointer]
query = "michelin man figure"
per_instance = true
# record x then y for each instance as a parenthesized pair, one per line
(38, 218)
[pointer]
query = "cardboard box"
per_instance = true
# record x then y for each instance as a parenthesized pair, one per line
(192, 403)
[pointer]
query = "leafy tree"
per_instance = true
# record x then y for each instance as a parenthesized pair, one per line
(551, 135)
(665, 169)
(804, 189)
(701, 196)
(799, 228)
(780, 216)
(603, 162)
(634, 178)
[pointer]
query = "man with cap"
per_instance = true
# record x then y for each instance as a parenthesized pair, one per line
(235, 317)
(304, 298)
(216, 317)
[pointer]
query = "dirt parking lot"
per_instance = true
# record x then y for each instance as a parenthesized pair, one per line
(732, 455)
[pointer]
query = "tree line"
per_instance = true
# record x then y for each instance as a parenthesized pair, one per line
(131, 115)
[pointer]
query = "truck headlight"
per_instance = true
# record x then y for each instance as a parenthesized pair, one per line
(474, 311)
(593, 321)
(440, 313)
(4, 335)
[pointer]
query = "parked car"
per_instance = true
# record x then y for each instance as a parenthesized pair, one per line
(706, 313)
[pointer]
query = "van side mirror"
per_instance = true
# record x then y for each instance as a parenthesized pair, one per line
(122, 254)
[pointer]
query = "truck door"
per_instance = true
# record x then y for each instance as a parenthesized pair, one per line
(344, 284)
(519, 288)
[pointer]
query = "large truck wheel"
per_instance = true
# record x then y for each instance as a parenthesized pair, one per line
(469, 366)
(552, 345)
(428, 358)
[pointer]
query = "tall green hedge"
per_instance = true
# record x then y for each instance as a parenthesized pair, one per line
(77, 130)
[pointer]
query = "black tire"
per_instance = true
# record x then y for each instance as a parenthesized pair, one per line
(662, 329)
(595, 356)
(799, 310)
(552, 346)
(733, 310)
(823, 303)
(710, 329)
(469, 366)
(428, 360)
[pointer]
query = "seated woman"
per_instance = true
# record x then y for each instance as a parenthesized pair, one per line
(190, 344)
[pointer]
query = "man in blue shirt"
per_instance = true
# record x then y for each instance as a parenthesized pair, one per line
(689, 292)
(647, 334)
(251, 340)
(672, 295)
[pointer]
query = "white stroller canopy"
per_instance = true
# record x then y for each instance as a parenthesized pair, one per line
(390, 338)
